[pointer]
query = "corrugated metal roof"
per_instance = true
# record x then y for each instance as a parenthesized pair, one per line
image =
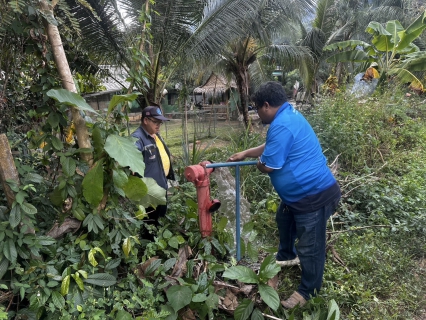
(115, 78)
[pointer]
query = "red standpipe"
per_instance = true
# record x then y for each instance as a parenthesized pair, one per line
(199, 175)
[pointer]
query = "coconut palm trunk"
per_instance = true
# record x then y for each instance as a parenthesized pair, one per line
(66, 79)
(242, 87)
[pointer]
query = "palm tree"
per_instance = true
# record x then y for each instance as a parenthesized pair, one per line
(166, 35)
(263, 43)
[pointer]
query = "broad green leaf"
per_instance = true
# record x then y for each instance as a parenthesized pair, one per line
(123, 315)
(56, 196)
(257, 315)
(135, 189)
(4, 265)
(100, 224)
(83, 273)
(413, 31)
(28, 208)
(113, 264)
(244, 309)
(394, 27)
(117, 99)
(98, 141)
(268, 268)
(383, 43)
(125, 152)
(348, 56)
(218, 246)
(92, 253)
(45, 240)
(173, 242)
(92, 258)
(333, 311)
(374, 28)
(93, 184)
(70, 99)
(9, 251)
(65, 286)
(154, 265)
(127, 247)
(68, 166)
(52, 284)
(78, 280)
(168, 264)
(155, 196)
(222, 224)
(347, 45)
(167, 234)
(34, 177)
(269, 296)
(101, 279)
(212, 301)
(119, 177)
(251, 251)
(56, 143)
(172, 313)
(58, 300)
(15, 216)
(20, 196)
(406, 76)
(53, 119)
(71, 191)
(141, 213)
(241, 273)
(79, 214)
(248, 227)
(199, 297)
(179, 297)
(415, 61)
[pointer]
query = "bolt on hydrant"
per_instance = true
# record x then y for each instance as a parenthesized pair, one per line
(199, 175)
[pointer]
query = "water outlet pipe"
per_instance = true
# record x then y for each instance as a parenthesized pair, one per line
(199, 175)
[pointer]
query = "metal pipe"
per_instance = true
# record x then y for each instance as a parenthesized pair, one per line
(237, 195)
(230, 164)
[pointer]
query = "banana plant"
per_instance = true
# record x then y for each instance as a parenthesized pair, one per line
(391, 47)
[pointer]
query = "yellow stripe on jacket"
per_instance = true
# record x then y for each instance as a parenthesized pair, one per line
(163, 154)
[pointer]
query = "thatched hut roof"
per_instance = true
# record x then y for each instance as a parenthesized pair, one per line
(215, 84)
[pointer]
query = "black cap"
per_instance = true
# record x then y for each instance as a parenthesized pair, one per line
(153, 112)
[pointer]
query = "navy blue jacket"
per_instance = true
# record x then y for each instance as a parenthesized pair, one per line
(151, 156)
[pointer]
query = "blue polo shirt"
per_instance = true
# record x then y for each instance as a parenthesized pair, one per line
(301, 176)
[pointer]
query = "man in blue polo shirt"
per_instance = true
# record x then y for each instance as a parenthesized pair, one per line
(293, 159)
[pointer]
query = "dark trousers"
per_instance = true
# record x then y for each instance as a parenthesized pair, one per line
(310, 229)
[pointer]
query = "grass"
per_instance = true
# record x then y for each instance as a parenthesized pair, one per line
(383, 275)
(219, 135)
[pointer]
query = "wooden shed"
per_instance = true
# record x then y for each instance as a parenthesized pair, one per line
(217, 95)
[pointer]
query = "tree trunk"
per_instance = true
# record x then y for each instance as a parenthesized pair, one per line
(242, 87)
(340, 68)
(67, 80)
(7, 169)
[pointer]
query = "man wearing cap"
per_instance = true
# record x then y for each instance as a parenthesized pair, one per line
(293, 158)
(155, 154)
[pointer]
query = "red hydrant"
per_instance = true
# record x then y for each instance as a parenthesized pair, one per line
(199, 175)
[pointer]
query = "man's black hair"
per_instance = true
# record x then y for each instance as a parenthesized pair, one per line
(271, 92)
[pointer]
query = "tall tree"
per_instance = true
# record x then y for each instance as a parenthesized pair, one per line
(65, 76)
(182, 33)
